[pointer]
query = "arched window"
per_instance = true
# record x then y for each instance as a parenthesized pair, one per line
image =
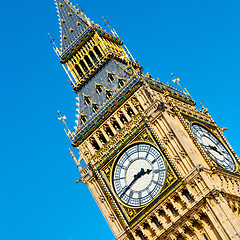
(86, 99)
(88, 61)
(98, 88)
(110, 77)
(97, 51)
(95, 145)
(93, 57)
(120, 82)
(95, 107)
(102, 138)
(205, 237)
(130, 112)
(109, 132)
(83, 118)
(140, 234)
(123, 118)
(155, 221)
(186, 193)
(171, 208)
(108, 94)
(83, 65)
(116, 125)
(79, 70)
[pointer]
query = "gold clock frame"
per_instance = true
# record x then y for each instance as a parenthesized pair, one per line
(171, 182)
(212, 128)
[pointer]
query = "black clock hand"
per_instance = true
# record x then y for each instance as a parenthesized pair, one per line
(135, 178)
(214, 148)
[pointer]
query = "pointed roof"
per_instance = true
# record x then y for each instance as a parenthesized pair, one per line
(73, 24)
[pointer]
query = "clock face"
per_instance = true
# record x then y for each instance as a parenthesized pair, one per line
(214, 148)
(139, 175)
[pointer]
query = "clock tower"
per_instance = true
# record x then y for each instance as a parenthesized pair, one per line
(157, 167)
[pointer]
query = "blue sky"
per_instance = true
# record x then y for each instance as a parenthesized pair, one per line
(197, 40)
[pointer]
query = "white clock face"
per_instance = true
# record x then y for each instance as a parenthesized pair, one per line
(139, 175)
(214, 148)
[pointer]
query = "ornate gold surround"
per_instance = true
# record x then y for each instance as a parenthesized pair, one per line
(172, 179)
(189, 121)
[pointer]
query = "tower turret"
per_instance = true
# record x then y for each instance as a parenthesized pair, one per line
(102, 71)
(73, 25)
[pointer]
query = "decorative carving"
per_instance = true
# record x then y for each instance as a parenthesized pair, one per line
(165, 140)
(170, 178)
(222, 129)
(177, 159)
(102, 198)
(112, 217)
(171, 112)
(171, 135)
(157, 106)
(182, 153)
(144, 136)
(183, 133)
(131, 212)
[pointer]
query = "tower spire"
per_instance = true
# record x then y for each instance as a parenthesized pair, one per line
(73, 24)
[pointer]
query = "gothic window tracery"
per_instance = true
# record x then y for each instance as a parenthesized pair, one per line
(109, 132)
(86, 99)
(110, 77)
(121, 82)
(93, 57)
(98, 88)
(95, 144)
(97, 51)
(108, 93)
(140, 234)
(102, 138)
(80, 72)
(83, 65)
(83, 118)
(95, 107)
(116, 125)
(89, 63)
(155, 221)
(186, 193)
(171, 208)
(130, 112)
(123, 118)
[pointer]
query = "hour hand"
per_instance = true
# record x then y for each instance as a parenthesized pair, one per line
(141, 173)
(214, 148)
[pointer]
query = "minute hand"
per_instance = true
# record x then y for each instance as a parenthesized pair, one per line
(214, 148)
(136, 177)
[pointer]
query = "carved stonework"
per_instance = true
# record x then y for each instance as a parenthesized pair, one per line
(144, 136)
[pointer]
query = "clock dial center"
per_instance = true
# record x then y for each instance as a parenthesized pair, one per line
(144, 179)
(212, 148)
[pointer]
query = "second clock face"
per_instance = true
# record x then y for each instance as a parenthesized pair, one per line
(139, 175)
(214, 148)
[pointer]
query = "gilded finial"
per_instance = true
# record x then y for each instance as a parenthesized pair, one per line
(177, 80)
(107, 24)
(74, 157)
(68, 132)
(205, 110)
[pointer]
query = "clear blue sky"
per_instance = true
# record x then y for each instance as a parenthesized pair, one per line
(197, 40)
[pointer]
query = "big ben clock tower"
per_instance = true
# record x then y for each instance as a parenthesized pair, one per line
(156, 166)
